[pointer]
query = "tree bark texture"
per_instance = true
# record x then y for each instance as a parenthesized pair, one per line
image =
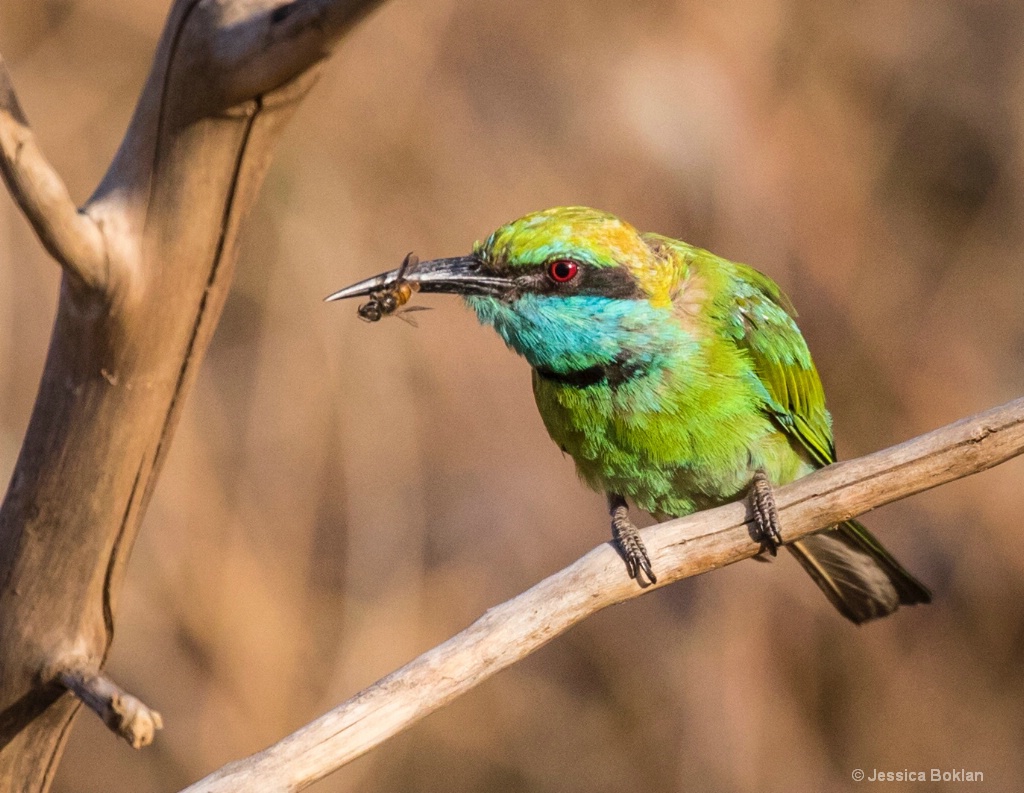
(148, 261)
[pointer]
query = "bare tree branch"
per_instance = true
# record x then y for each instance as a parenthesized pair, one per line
(126, 715)
(71, 237)
(679, 549)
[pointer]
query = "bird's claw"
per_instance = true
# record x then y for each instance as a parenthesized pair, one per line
(638, 565)
(766, 516)
(627, 538)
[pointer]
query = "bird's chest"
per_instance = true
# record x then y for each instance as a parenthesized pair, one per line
(670, 447)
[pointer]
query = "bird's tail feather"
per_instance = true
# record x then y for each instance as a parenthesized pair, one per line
(856, 573)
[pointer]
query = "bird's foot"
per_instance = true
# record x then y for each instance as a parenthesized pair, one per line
(627, 537)
(766, 516)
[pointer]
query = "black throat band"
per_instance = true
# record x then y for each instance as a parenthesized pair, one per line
(615, 374)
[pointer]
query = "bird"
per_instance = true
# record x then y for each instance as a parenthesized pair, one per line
(677, 381)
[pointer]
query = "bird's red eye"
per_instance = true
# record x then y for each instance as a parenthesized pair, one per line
(563, 270)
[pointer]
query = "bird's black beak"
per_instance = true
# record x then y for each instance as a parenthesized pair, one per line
(462, 275)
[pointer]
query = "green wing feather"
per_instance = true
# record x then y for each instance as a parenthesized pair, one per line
(763, 323)
(861, 578)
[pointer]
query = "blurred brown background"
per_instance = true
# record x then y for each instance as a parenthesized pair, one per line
(341, 497)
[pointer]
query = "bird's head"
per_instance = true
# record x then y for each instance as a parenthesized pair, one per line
(566, 288)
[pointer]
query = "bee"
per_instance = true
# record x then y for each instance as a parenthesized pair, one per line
(391, 299)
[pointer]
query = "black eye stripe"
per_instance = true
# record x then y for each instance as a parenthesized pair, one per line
(614, 282)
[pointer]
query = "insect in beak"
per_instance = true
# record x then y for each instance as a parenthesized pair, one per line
(389, 298)
(461, 275)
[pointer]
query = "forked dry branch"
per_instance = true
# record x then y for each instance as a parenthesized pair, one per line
(147, 264)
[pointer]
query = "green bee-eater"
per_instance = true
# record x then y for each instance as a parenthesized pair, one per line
(674, 378)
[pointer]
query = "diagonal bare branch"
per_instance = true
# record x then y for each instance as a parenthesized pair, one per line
(70, 236)
(679, 549)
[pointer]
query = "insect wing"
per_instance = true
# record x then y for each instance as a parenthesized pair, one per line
(408, 263)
